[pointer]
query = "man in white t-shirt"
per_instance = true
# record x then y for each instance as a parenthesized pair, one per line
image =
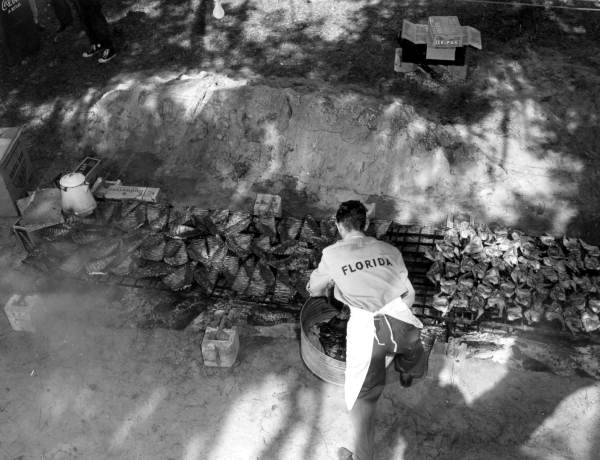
(371, 278)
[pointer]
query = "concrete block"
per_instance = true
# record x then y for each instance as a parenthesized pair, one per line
(220, 347)
(267, 205)
(20, 310)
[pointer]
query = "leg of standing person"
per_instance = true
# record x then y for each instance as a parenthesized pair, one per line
(97, 29)
(83, 8)
(392, 337)
(414, 361)
(362, 414)
(99, 24)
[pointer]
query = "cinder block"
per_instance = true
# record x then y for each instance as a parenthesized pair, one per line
(267, 205)
(220, 346)
(20, 310)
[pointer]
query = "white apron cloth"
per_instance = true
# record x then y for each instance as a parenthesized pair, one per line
(359, 343)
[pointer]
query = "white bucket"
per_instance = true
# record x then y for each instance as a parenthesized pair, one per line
(75, 195)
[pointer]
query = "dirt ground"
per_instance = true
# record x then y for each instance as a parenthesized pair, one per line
(91, 385)
(514, 144)
(94, 392)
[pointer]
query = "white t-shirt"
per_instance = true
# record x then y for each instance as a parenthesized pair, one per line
(367, 273)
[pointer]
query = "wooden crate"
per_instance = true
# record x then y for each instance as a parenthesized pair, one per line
(15, 170)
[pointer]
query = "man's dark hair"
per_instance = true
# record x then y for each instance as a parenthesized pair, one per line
(352, 215)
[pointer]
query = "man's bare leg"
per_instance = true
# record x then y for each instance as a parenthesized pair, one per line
(363, 418)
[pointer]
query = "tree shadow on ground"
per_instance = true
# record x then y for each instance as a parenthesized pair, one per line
(529, 55)
(147, 394)
(499, 424)
(533, 60)
(352, 45)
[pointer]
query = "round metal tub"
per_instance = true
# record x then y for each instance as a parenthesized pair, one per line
(317, 310)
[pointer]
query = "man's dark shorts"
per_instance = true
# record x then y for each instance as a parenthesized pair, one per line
(394, 337)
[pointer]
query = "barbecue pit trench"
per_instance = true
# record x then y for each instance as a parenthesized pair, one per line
(413, 241)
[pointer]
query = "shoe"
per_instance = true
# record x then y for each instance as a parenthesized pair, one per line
(428, 338)
(344, 454)
(107, 55)
(92, 50)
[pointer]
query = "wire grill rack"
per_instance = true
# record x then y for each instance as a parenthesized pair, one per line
(412, 241)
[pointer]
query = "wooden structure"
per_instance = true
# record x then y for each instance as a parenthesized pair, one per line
(15, 170)
(440, 42)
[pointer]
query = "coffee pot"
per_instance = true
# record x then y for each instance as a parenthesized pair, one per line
(75, 195)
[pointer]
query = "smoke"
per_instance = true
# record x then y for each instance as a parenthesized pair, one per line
(60, 307)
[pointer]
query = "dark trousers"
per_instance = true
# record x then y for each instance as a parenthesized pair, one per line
(63, 12)
(94, 22)
(392, 337)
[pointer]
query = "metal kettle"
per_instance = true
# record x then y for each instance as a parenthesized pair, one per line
(75, 195)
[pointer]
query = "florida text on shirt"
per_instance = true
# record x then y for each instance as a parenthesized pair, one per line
(366, 265)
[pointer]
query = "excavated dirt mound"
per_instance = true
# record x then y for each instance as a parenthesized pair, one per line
(312, 109)
(210, 139)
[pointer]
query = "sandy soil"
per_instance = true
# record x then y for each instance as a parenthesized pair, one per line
(89, 384)
(523, 125)
(81, 389)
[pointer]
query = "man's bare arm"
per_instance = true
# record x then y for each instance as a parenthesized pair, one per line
(320, 280)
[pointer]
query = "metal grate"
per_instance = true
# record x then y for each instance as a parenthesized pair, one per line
(412, 241)
(223, 289)
(125, 281)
